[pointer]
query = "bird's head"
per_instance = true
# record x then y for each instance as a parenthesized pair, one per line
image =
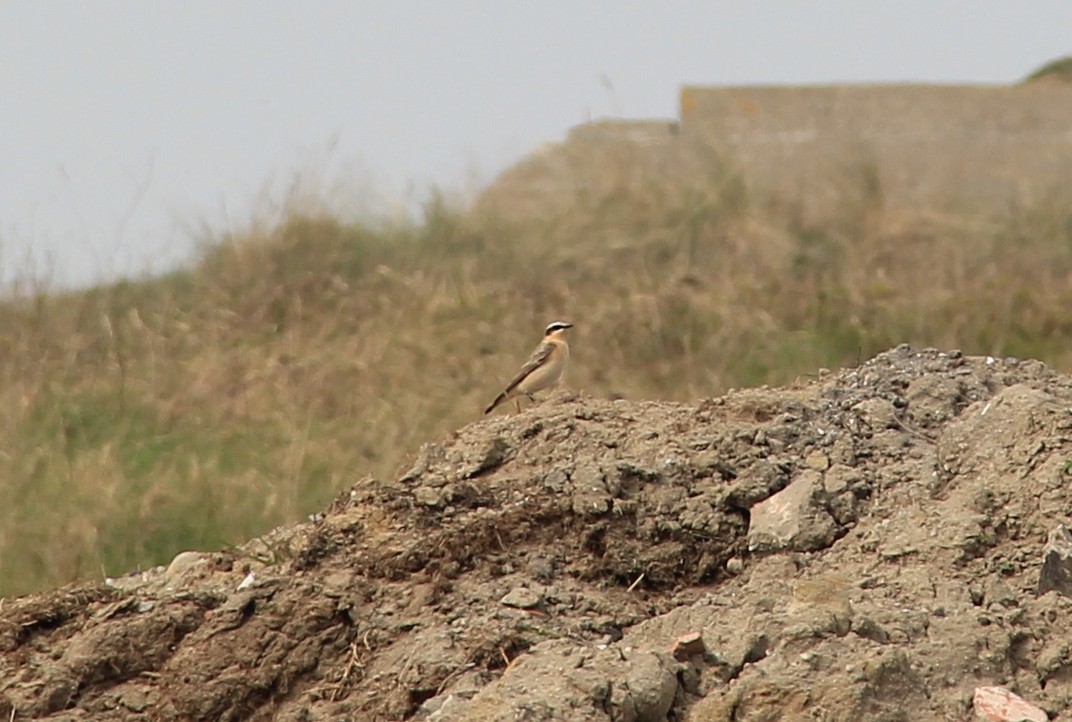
(556, 329)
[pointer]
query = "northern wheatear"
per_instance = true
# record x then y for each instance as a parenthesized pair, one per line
(543, 369)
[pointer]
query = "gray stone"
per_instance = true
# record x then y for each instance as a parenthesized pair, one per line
(1000, 594)
(844, 508)
(877, 413)
(186, 570)
(755, 484)
(493, 455)
(817, 460)
(794, 518)
(839, 478)
(590, 496)
(440, 707)
(870, 629)
(182, 565)
(558, 680)
(428, 496)
(522, 598)
(648, 690)
(428, 455)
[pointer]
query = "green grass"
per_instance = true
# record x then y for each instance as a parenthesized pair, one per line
(1059, 69)
(203, 407)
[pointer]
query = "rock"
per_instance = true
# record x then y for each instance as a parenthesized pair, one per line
(182, 562)
(1053, 659)
(817, 460)
(794, 518)
(933, 399)
(557, 480)
(590, 496)
(648, 690)
(187, 568)
(839, 478)
(562, 681)
(491, 456)
(430, 497)
(687, 645)
(998, 704)
(428, 454)
(999, 593)
(844, 508)
(134, 699)
(522, 598)
(877, 413)
(441, 706)
(731, 656)
(755, 483)
(870, 629)
(1056, 574)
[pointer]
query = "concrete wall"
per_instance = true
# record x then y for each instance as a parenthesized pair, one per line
(983, 149)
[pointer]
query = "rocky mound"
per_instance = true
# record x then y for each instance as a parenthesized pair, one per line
(864, 546)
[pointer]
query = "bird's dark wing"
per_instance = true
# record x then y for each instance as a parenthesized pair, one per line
(536, 360)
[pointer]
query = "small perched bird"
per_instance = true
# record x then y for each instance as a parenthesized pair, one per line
(543, 369)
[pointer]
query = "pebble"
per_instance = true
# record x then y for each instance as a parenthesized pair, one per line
(998, 704)
(817, 460)
(522, 598)
(687, 645)
(181, 562)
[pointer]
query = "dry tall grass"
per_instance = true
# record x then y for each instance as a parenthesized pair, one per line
(200, 408)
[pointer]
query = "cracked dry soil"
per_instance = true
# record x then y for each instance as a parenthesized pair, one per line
(864, 546)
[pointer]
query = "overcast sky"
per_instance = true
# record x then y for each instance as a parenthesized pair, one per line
(127, 128)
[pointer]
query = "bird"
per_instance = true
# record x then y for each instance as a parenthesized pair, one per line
(543, 369)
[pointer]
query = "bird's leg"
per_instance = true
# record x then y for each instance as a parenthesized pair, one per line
(517, 403)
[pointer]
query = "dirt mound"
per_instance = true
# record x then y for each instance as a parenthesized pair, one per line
(865, 546)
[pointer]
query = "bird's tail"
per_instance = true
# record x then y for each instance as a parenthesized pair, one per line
(498, 400)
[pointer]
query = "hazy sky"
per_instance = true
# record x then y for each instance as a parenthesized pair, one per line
(128, 128)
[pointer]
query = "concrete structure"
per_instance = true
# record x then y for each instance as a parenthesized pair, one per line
(981, 149)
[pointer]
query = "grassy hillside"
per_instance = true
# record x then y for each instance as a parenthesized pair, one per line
(200, 408)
